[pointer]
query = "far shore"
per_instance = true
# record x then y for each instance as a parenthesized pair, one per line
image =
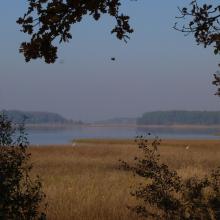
(53, 125)
(183, 126)
(72, 125)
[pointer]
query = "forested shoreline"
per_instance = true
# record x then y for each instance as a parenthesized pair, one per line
(35, 117)
(180, 118)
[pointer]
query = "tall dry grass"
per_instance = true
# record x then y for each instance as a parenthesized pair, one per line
(84, 183)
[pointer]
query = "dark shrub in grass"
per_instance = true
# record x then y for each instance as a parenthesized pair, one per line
(20, 195)
(163, 194)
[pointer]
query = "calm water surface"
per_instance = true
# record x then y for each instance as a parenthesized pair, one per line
(65, 136)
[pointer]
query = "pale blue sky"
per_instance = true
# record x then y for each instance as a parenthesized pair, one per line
(159, 68)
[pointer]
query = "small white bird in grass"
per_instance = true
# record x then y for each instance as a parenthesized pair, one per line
(187, 147)
(73, 144)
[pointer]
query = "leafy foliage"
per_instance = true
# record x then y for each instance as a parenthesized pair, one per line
(20, 196)
(163, 194)
(203, 22)
(47, 20)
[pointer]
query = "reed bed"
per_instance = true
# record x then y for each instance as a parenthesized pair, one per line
(84, 182)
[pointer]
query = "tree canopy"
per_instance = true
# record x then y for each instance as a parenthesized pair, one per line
(202, 20)
(47, 20)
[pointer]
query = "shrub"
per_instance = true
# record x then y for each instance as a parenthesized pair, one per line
(163, 194)
(20, 196)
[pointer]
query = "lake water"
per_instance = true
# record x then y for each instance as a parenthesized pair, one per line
(65, 136)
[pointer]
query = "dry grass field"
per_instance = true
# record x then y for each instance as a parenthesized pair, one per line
(83, 182)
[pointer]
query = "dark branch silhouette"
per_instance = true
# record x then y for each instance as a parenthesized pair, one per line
(202, 21)
(47, 20)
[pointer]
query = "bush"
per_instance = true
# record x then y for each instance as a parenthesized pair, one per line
(20, 196)
(165, 195)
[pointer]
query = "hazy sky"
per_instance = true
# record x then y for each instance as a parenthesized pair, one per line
(159, 68)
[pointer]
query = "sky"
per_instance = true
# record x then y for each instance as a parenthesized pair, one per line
(158, 69)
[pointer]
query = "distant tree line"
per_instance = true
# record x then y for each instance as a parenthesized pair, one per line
(180, 117)
(34, 117)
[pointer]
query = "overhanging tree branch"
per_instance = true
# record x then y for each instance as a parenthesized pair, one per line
(203, 22)
(47, 20)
